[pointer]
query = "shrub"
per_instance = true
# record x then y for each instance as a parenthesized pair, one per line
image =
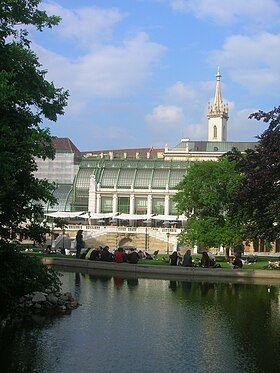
(21, 274)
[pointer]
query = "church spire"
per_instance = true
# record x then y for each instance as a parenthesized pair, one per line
(218, 102)
(217, 115)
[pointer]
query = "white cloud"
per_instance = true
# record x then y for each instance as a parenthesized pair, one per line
(252, 61)
(88, 25)
(165, 116)
(260, 11)
(110, 71)
(181, 92)
(166, 122)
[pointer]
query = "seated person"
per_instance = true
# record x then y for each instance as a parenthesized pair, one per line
(212, 259)
(132, 257)
(120, 255)
(174, 259)
(141, 254)
(204, 261)
(148, 256)
(88, 253)
(95, 254)
(155, 254)
(105, 255)
(237, 262)
(187, 259)
(84, 253)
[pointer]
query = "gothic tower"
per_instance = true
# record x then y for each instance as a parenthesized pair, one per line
(217, 115)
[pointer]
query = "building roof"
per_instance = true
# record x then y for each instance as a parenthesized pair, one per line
(64, 145)
(124, 175)
(213, 146)
(129, 152)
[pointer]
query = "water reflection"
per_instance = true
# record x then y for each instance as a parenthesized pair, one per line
(129, 324)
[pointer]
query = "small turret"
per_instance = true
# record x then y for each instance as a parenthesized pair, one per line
(217, 115)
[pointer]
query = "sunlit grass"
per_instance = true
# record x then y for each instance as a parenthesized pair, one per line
(162, 260)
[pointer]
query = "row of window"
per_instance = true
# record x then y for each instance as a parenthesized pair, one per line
(133, 178)
(140, 203)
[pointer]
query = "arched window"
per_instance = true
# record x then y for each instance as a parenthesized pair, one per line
(215, 132)
(216, 149)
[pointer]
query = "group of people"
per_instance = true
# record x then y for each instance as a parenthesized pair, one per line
(207, 260)
(132, 256)
(118, 256)
(176, 259)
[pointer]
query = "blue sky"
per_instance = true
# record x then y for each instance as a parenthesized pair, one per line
(141, 72)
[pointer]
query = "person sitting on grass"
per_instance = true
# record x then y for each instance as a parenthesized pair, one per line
(132, 257)
(174, 259)
(95, 254)
(187, 259)
(204, 261)
(237, 262)
(148, 256)
(120, 256)
(105, 255)
(155, 254)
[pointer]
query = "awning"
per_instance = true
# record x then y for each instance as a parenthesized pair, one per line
(165, 217)
(95, 216)
(171, 218)
(133, 217)
(65, 214)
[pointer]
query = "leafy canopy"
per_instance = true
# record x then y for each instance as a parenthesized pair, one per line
(204, 197)
(257, 201)
(26, 99)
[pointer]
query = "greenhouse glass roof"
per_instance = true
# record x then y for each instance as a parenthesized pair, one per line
(130, 174)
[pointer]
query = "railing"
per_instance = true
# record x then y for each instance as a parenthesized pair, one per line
(116, 229)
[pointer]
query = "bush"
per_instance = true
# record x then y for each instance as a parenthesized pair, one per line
(21, 274)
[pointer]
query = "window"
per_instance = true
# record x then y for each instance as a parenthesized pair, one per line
(158, 206)
(126, 178)
(143, 179)
(175, 177)
(140, 205)
(106, 204)
(123, 205)
(215, 132)
(172, 207)
(160, 179)
(109, 178)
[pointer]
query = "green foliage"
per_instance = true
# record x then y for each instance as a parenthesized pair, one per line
(204, 197)
(26, 98)
(38, 231)
(22, 274)
(257, 201)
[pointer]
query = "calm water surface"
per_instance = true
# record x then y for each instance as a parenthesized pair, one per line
(146, 325)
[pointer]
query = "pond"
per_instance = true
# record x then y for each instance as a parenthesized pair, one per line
(150, 325)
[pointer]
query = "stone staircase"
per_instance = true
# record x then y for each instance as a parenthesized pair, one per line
(143, 241)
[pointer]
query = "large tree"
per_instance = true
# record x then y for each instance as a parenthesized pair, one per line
(204, 197)
(26, 98)
(257, 201)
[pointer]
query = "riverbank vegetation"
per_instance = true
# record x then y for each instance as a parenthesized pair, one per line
(26, 99)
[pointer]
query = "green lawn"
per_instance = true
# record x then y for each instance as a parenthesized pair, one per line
(262, 262)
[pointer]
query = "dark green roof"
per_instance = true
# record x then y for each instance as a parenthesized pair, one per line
(214, 146)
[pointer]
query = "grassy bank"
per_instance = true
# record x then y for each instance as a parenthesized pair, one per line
(162, 260)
